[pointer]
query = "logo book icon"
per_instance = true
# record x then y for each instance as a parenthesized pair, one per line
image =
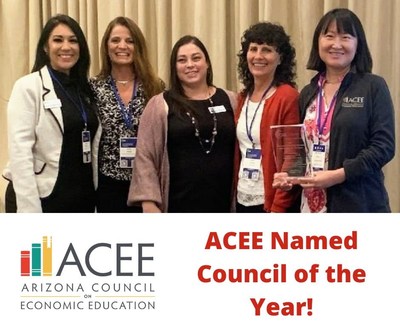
(38, 260)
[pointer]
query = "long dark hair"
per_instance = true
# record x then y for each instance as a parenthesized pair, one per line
(274, 35)
(80, 71)
(176, 92)
(346, 22)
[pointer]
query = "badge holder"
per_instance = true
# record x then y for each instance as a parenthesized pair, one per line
(86, 147)
(251, 164)
(127, 151)
(318, 157)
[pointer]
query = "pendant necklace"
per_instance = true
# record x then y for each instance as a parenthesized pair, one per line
(205, 143)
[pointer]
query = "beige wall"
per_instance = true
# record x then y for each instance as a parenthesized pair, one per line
(3, 150)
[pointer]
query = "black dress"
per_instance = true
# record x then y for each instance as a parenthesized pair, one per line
(201, 182)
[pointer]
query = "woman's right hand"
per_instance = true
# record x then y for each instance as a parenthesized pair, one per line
(282, 181)
(150, 207)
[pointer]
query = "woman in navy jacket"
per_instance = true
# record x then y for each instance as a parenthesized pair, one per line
(349, 122)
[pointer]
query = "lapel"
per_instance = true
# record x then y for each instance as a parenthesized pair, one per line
(50, 100)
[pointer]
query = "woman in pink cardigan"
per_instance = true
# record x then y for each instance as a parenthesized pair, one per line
(184, 157)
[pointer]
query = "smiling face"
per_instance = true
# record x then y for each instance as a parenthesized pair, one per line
(62, 48)
(120, 46)
(191, 65)
(337, 50)
(262, 60)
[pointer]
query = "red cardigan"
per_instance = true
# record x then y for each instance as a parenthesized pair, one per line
(281, 108)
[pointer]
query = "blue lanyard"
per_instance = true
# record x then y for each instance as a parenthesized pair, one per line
(248, 129)
(126, 111)
(80, 107)
(321, 110)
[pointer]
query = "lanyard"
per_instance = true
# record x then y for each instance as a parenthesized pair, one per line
(321, 110)
(248, 129)
(126, 111)
(80, 107)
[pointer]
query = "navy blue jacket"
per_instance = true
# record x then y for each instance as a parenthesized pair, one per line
(362, 141)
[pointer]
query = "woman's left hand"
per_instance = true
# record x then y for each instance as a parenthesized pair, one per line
(322, 179)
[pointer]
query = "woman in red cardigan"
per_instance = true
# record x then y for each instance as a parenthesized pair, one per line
(269, 97)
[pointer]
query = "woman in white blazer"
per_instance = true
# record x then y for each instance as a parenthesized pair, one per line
(52, 127)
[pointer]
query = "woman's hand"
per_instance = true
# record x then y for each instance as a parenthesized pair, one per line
(150, 207)
(321, 179)
(282, 181)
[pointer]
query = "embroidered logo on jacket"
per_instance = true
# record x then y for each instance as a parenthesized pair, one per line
(355, 102)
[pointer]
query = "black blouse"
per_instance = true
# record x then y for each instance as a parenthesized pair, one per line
(74, 189)
(201, 182)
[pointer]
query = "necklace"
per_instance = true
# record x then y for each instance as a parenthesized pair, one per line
(123, 82)
(205, 143)
(333, 82)
(337, 80)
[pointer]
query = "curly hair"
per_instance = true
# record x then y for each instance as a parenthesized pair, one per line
(273, 35)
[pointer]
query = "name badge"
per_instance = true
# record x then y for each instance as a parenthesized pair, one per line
(217, 109)
(54, 103)
(127, 151)
(86, 147)
(318, 157)
(251, 164)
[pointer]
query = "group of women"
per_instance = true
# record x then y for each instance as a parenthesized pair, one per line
(122, 142)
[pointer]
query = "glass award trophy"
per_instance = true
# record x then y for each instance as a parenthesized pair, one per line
(288, 143)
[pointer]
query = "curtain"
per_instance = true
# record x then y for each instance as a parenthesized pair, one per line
(218, 23)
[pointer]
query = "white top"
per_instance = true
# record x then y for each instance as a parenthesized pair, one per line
(250, 192)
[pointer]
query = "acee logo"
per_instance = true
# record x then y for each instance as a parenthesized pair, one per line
(119, 258)
(359, 100)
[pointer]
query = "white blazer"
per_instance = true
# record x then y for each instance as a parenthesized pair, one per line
(35, 134)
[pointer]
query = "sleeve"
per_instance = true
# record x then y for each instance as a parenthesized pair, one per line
(233, 98)
(147, 173)
(381, 146)
(22, 112)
